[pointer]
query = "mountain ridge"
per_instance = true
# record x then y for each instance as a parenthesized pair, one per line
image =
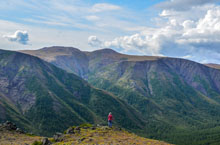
(216, 66)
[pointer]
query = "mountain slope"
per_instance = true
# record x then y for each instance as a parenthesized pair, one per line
(77, 60)
(175, 96)
(216, 66)
(40, 97)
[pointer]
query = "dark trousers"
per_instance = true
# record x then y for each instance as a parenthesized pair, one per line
(109, 123)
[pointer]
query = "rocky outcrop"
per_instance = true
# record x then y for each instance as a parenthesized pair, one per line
(11, 127)
(46, 141)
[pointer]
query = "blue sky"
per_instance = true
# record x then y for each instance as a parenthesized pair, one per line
(176, 28)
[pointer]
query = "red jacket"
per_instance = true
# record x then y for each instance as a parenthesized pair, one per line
(110, 117)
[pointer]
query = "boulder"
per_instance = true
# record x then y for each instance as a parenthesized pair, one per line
(58, 137)
(81, 139)
(105, 128)
(93, 128)
(19, 130)
(77, 129)
(70, 131)
(85, 127)
(9, 125)
(45, 141)
(117, 129)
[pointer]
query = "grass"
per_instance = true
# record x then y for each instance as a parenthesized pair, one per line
(106, 135)
(12, 137)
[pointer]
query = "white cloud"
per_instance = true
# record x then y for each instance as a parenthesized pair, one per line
(166, 13)
(196, 39)
(183, 5)
(19, 36)
(101, 7)
(92, 18)
(188, 24)
(206, 32)
(44, 37)
(94, 41)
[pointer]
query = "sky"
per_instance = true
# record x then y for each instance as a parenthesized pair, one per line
(188, 29)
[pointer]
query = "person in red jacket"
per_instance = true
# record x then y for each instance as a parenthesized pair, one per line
(110, 118)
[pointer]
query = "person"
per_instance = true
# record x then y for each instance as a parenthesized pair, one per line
(110, 118)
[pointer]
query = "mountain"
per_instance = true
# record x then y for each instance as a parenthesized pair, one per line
(216, 66)
(59, 56)
(179, 99)
(43, 99)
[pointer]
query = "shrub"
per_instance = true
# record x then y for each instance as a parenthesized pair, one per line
(37, 143)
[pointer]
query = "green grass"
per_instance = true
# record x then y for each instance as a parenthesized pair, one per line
(37, 143)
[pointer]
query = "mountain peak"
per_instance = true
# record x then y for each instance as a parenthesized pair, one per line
(50, 53)
(106, 50)
(59, 49)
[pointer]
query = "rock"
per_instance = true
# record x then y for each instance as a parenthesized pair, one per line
(70, 131)
(81, 139)
(58, 137)
(105, 128)
(77, 130)
(93, 128)
(45, 141)
(117, 129)
(90, 140)
(85, 127)
(19, 130)
(9, 125)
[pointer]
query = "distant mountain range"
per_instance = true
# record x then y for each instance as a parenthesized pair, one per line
(172, 99)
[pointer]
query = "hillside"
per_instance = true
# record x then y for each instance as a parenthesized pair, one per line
(216, 66)
(83, 134)
(43, 99)
(180, 99)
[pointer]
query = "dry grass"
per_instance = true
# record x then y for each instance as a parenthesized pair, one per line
(216, 66)
(99, 136)
(14, 138)
(140, 58)
(51, 56)
(105, 136)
